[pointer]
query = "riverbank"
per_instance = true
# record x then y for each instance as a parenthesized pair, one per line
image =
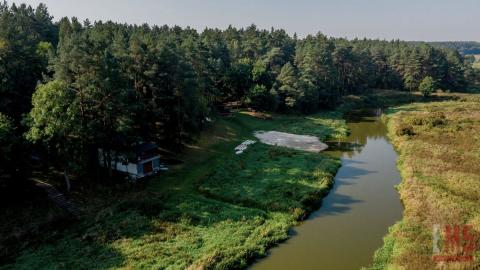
(348, 228)
(216, 210)
(439, 161)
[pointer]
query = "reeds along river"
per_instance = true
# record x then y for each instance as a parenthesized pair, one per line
(345, 232)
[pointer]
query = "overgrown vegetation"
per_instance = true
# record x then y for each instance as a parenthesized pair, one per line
(215, 211)
(438, 144)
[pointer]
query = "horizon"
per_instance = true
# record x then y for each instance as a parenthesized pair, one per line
(383, 20)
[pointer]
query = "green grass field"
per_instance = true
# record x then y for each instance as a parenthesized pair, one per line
(215, 211)
(439, 147)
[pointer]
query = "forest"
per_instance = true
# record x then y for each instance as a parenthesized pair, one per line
(464, 47)
(70, 87)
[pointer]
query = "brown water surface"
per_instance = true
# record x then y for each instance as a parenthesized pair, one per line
(345, 232)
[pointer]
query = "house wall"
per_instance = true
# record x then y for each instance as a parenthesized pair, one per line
(133, 169)
(130, 168)
(140, 168)
(155, 165)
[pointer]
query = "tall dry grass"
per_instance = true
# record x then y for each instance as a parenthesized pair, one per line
(439, 146)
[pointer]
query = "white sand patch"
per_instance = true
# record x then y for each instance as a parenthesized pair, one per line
(299, 142)
(243, 146)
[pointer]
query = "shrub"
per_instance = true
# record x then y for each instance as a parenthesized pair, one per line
(435, 119)
(416, 120)
(298, 213)
(405, 130)
(427, 86)
(432, 119)
(260, 98)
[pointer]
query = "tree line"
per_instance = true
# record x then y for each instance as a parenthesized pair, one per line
(71, 87)
(464, 47)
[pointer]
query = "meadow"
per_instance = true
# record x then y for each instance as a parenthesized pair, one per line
(216, 210)
(439, 157)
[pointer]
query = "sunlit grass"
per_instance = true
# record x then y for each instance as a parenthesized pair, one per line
(439, 162)
(272, 178)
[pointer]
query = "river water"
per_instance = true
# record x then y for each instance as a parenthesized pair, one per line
(345, 232)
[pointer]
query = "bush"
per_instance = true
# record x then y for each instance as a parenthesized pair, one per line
(427, 86)
(416, 120)
(405, 130)
(262, 99)
(432, 119)
(435, 119)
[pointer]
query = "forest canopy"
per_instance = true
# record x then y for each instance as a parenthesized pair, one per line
(73, 87)
(464, 47)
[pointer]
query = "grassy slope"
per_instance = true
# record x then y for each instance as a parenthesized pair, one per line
(216, 210)
(439, 163)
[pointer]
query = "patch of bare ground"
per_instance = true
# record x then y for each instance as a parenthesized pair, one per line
(289, 140)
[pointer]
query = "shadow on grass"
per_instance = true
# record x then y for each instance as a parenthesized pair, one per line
(69, 253)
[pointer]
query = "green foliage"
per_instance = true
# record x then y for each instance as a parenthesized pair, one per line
(140, 83)
(260, 98)
(85, 86)
(272, 178)
(12, 158)
(383, 256)
(191, 216)
(427, 86)
(464, 47)
(309, 96)
(24, 33)
(56, 120)
(288, 90)
(27, 39)
(260, 73)
(239, 79)
(6, 138)
(52, 114)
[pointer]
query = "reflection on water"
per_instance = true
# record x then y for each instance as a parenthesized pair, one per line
(342, 147)
(348, 228)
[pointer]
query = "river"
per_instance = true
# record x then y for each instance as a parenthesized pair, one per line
(348, 227)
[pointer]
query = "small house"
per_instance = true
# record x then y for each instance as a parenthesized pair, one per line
(143, 162)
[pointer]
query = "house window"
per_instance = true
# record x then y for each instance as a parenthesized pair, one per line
(147, 167)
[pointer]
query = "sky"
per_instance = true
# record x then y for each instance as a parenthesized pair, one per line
(428, 20)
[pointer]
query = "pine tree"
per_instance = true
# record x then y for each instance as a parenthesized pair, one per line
(289, 94)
